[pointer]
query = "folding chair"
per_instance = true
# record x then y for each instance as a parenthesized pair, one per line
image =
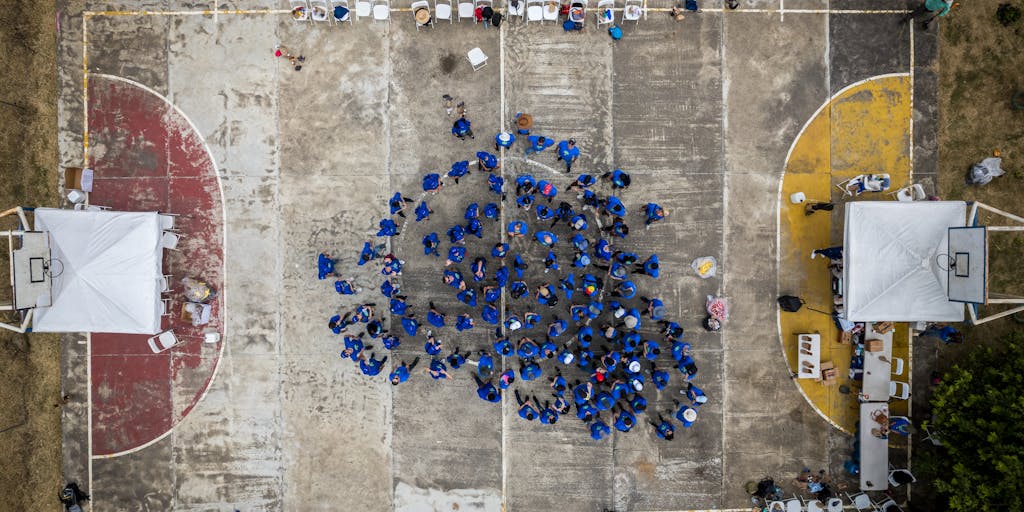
(341, 11)
(165, 283)
(898, 472)
(300, 10)
(416, 7)
(319, 11)
(582, 5)
(381, 10)
(897, 366)
(535, 10)
(167, 221)
(465, 10)
(835, 505)
(776, 506)
(169, 240)
(604, 14)
(931, 435)
(899, 390)
(861, 501)
(90, 207)
(888, 505)
(167, 307)
(443, 10)
(477, 58)
(163, 341)
(794, 505)
(519, 9)
(632, 11)
(363, 8)
(480, 4)
(814, 506)
(909, 193)
(551, 9)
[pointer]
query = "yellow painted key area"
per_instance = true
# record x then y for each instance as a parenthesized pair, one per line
(863, 129)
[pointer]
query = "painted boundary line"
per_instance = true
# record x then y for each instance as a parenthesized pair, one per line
(781, 11)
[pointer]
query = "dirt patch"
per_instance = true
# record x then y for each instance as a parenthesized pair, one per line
(29, 364)
(448, 62)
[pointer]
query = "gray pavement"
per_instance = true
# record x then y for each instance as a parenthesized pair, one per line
(702, 112)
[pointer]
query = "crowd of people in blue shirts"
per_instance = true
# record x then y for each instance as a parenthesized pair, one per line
(593, 362)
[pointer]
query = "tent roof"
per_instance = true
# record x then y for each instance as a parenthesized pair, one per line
(891, 269)
(106, 271)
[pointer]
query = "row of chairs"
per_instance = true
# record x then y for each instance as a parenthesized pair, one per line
(339, 11)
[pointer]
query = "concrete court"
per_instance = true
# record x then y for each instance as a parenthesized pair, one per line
(701, 112)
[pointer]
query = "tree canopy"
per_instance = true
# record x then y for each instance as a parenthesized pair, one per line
(978, 409)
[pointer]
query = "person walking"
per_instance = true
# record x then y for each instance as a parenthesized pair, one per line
(401, 374)
(462, 129)
(929, 10)
(568, 152)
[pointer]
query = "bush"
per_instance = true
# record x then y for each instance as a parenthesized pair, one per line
(1007, 14)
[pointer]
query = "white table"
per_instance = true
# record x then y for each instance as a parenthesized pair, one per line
(874, 452)
(813, 359)
(877, 367)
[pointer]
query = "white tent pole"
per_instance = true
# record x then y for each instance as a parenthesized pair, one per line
(996, 316)
(997, 212)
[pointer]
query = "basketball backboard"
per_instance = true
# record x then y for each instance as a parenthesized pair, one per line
(967, 265)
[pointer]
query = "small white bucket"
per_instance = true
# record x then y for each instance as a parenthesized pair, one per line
(797, 198)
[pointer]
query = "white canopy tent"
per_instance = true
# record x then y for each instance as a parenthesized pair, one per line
(106, 271)
(894, 260)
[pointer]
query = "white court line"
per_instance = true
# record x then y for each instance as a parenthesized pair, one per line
(504, 291)
(910, 175)
(224, 273)
(216, 12)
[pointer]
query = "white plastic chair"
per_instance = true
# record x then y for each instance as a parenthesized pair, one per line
(535, 10)
(909, 193)
(334, 8)
(551, 9)
(815, 506)
(90, 207)
(300, 10)
(364, 8)
(794, 505)
(465, 10)
(163, 341)
(580, 4)
(835, 505)
(319, 11)
(167, 221)
(889, 505)
(515, 10)
(443, 10)
(381, 10)
(893, 482)
(899, 390)
(776, 506)
(931, 435)
(861, 501)
(897, 366)
(417, 5)
(169, 240)
(167, 307)
(604, 13)
(165, 283)
(632, 11)
(477, 58)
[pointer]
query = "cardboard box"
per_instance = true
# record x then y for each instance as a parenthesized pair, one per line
(873, 346)
(78, 178)
(845, 337)
(883, 327)
(829, 374)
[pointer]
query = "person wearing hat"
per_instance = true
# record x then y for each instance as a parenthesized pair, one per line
(503, 140)
(547, 190)
(654, 212)
(462, 129)
(695, 394)
(568, 152)
(422, 16)
(538, 143)
(523, 123)
(686, 414)
(631, 320)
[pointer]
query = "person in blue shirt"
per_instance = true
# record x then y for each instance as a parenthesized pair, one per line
(525, 184)
(638, 403)
(504, 347)
(671, 330)
(613, 205)
(659, 377)
(345, 287)
(519, 266)
(686, 414)
(423, 211)
(475, 228)
(467, 297)
(651, 349)
(558, 383)
(430, 244)
(455, 359)
(544, 213)
(518, 289)
(946, 333)
(567, 284)
(538, 143)
(462, 128)
(353, 348)
(546, 238)
(458, 170)
(501, 277)
(497, 185)
(582, 391)
(550, 262)
(472, 211)
(650, 267)
(687, 366)
(486, 161)
(437, 370)
(546, 295)
(401, 373)
(374, 328)
(464, 323)
(548, 349)
(527, 349)
(578, 222)
(500, 250)
(432, 183)
(599, 430)
(548, 416)
(337, 324)
(655, 308)
(370, 366)
(679, 350)
(625, 289)
(517, 228)
(579, 242)
(568, 152)
(578, 312)
(585, 335)
(391, 341)
(664, 428)
(456, 234)
(454, 279)
(503, 140)
(619, 390)
(617, 178)
(530, 319)
(491, 211)
(397, 204)
(490, 314)
(630, 342)
(557, 327)
(485, 366)
(486, 391)
(526, 410)
(479, 269)
(586, 412)
(491, 294)
(324, 266)
(506, 379)
(525, 201)
(433, 345)
(625, 257)
(603, 250)
(654, 213)
(530, 371)
(604, 401)
(625, 420)
(435, 317)
(695, 394)
(398, 305)
(410, 324)
(546, 189)
(583, 182)
(590, 285)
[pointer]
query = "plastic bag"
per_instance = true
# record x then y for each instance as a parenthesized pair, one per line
(717, 308)
(705, 266)
(982, 173)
